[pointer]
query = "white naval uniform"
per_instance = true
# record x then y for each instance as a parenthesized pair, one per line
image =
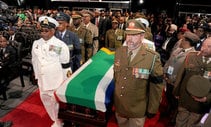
(47, 57)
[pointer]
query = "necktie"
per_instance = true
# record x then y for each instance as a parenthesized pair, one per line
(129, 56)
(97, 22)
(120, 26)
(10, 38)
(60, 35)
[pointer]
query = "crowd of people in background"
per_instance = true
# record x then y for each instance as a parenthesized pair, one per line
(179, 42)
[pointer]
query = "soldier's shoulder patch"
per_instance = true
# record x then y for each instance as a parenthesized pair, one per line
(152, 51)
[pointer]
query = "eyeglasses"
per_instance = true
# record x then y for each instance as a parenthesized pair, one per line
(45, 30)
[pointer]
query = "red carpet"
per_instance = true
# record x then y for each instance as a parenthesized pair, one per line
(31, 113)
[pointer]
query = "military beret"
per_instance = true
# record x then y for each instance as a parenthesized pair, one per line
(76, 15)
(134, 27)
(191, 37)
(48, 22)
(198, 86)
(61, 16)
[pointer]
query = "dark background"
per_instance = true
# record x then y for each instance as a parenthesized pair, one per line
(171, 6)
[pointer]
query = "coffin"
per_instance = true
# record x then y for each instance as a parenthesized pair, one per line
(86, 97)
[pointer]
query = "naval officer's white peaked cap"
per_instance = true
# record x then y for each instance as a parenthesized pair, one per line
(48, 22)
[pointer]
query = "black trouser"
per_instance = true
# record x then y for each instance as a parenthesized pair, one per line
(173, 102)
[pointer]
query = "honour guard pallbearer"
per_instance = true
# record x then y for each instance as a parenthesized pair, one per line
(87, 16)
(191, 108)
(50, 59)
(70, 38)
(138, 79)
(171, 67)
(85, 36)
(114, 37)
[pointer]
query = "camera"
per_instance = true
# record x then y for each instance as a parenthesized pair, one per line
(6, 16)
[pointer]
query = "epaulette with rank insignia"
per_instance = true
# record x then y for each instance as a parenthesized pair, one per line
(152, 51)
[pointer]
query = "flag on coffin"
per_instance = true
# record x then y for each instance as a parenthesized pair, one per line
(92, 84)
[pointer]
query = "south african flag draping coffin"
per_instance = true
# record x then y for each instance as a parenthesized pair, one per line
(92, 84)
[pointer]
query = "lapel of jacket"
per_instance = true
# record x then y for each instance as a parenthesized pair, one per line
(66, 36)
(140, 56)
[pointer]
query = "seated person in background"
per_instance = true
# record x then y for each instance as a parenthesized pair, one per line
(8, 54)
(7, 58)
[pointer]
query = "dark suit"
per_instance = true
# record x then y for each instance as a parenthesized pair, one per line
(8, 56)
(165, 53)
(102, 30)
(122, 26)
(72, 41)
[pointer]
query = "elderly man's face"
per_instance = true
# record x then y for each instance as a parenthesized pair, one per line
(206, 48)
(86, 19)
(134, 40)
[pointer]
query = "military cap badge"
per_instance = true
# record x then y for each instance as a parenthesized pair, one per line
(45, 21)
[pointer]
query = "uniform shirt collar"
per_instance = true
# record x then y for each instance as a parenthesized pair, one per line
(187, 49)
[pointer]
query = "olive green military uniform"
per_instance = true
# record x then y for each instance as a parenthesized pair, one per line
(139, 84)
(85, 37)
(114, 38)
(190, 111)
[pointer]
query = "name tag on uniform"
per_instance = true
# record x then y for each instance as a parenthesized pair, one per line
(170, 70)
(207, 75)
(119, 38)
(81, 41)
(141, 73)
(70, 46)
